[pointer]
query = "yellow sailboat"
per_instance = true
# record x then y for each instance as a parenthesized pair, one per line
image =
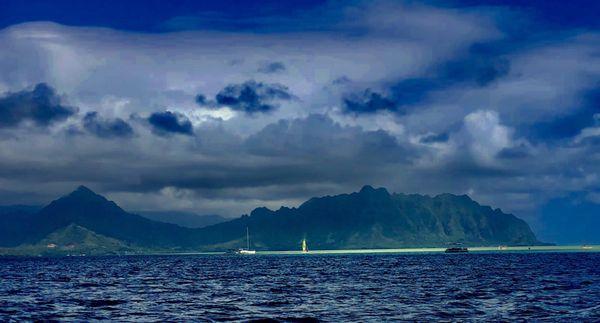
(304, 246)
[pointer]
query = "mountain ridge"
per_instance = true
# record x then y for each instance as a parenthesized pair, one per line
(377, 212)
(369, 218)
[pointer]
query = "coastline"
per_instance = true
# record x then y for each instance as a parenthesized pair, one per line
(496, 249)
(507, 249)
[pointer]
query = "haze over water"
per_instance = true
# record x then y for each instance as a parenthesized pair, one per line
(357, 287)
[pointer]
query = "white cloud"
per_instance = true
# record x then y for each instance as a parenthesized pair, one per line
(485, 135)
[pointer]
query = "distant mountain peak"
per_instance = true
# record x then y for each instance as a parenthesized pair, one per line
(261, 211)
(84, 193)
(94, 212)
(84, 190)
(79, 200)
(368, 189)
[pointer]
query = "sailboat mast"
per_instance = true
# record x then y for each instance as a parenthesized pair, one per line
(247, 239)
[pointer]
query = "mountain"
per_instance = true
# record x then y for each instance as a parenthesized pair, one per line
(370, 218)
(94, 212)
(374, 218)
(184, 219)
(75, 240)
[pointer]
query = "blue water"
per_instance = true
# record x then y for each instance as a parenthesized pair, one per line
(533, 286)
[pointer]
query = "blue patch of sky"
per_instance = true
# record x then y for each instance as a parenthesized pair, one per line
(157, 15)
(269, 15)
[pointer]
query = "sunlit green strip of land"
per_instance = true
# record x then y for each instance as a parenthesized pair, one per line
(588, 248)
(574, 248)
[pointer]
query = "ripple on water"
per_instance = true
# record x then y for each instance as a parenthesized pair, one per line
(99, 302)
(422, 287)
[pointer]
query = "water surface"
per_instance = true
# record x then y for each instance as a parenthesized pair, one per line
(351, 287)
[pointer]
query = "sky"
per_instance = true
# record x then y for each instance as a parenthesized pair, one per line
(221, 107)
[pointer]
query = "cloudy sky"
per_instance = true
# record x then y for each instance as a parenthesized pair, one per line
(223, 107)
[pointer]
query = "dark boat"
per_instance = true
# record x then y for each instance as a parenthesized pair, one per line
(456, 250)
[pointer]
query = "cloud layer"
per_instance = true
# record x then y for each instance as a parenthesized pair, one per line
(414, 97)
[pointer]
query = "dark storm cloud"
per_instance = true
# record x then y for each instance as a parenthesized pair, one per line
(106, 128)
(170, 122)
(368, 102)
(298, 155)
(201, 99)
(249, 97)
(294, 153)
(566, 125)
(273, 67)
(41, 106)
(319, 137)
(482, 65)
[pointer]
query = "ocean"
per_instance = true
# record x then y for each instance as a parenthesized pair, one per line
(554, 286)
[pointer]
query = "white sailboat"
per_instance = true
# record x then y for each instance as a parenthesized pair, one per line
(246, 251)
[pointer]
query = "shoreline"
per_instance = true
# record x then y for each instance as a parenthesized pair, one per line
(507, 249)
(496, 249)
